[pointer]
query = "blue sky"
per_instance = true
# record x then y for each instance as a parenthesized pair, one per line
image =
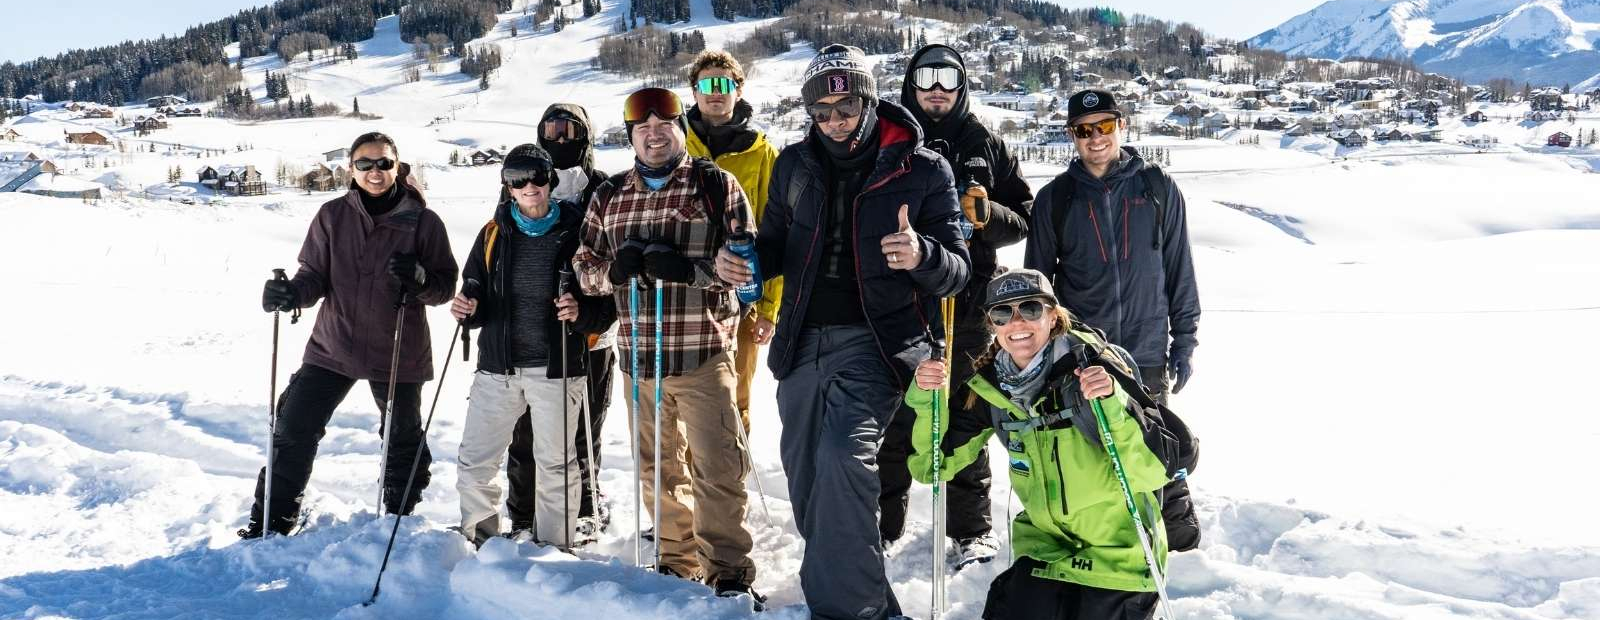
(30, 30)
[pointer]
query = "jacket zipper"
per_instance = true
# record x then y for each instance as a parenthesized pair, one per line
(855, 216)
(1061, 472)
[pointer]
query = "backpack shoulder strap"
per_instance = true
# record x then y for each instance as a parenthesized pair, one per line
(716, 189)
(1156, 187)
(491, 234)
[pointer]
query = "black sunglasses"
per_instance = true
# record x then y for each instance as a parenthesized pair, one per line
(519, 178)
(382, 163)
(1030, 310)
(848, 107)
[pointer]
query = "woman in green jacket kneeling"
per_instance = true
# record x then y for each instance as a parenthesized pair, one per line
(1078, 553)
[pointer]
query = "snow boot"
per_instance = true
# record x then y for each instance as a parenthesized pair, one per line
(730, 588)
(976, 550)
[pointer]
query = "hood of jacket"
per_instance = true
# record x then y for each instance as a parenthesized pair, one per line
(950, 127)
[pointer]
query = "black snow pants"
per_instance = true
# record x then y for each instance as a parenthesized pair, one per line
(304, 409)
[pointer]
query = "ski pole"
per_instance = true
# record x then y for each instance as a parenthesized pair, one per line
(1082, 352)
(750, 462)
(655, 515)
(562, 277)
(411, 477)
(388, 403)
(272, 411)
(940, 409)
(633, 377)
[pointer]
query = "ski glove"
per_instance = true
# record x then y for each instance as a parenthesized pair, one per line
(1180, 368)
(664, 263)
(627, 263)
(278, 296)
(407, 269)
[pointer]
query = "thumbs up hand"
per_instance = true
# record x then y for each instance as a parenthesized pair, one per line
(903, 249)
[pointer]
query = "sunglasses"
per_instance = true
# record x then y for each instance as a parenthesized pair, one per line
(522, 172)
(560, 127)
(1030, 310)
(947, 79)
(364, 165)
(848, 107)
(716, 86)
(1084, 131)
(651, 101)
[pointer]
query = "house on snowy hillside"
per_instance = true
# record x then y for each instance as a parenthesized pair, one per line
(1349, 137)
(147, 124)
(338, 154)
(9, 135)
(163, 101)
(236, 180)
(1271, 123)
(16, 173)
(1560, 138)
(93, 136)
(486, 157)
(1477, 116)
(323, 178)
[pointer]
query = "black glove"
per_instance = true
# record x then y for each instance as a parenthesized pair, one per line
(278, 296)
(664, 263)
(406, 269)
(627, 262)
(1181, 368)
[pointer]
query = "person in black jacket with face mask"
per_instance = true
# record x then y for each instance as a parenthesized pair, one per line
(995, 203)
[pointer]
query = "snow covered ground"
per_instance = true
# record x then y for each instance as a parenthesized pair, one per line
(1389, 387)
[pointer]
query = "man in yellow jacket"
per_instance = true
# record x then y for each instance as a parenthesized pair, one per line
(719, 130)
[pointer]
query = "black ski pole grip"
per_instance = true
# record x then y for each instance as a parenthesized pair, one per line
(469, 289)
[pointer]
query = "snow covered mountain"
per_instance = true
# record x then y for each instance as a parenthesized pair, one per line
(1542, 41)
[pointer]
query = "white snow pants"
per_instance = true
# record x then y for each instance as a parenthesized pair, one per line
(495, 403)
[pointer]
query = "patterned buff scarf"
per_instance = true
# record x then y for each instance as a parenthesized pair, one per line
(1024, 384)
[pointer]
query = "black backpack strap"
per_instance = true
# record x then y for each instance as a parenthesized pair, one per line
(1156, 187)
(715, 187)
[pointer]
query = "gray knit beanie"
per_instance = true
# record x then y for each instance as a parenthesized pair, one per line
(838, 70)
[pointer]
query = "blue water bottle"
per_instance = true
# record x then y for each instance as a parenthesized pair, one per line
(744, 244)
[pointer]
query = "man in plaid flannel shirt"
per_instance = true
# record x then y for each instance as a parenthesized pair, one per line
(654, 223)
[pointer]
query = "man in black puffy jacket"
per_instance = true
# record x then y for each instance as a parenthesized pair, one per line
(862, 223)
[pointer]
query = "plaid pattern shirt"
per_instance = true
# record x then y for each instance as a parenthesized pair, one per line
(699, 318)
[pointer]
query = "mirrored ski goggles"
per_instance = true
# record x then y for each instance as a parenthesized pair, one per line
(848, 107)
(518, 173)
(364, 164)
(662, 103)
(716, 86)
(947, 79)
(1030, 310)
(559, 127)
(1084, 131)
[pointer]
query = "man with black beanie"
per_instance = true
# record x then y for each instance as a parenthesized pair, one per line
(862, 224)
(995, 201)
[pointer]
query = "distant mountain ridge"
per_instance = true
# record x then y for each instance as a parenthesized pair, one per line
(1547, 42)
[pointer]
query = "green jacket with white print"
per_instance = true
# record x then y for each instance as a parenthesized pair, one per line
(1074, 518)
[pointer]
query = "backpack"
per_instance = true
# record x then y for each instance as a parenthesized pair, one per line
(1156, 186)
(1180, 449)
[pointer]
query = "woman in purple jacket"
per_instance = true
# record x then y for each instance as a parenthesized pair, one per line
(367, 250)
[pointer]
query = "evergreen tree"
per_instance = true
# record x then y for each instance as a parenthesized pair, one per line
(355, 106)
